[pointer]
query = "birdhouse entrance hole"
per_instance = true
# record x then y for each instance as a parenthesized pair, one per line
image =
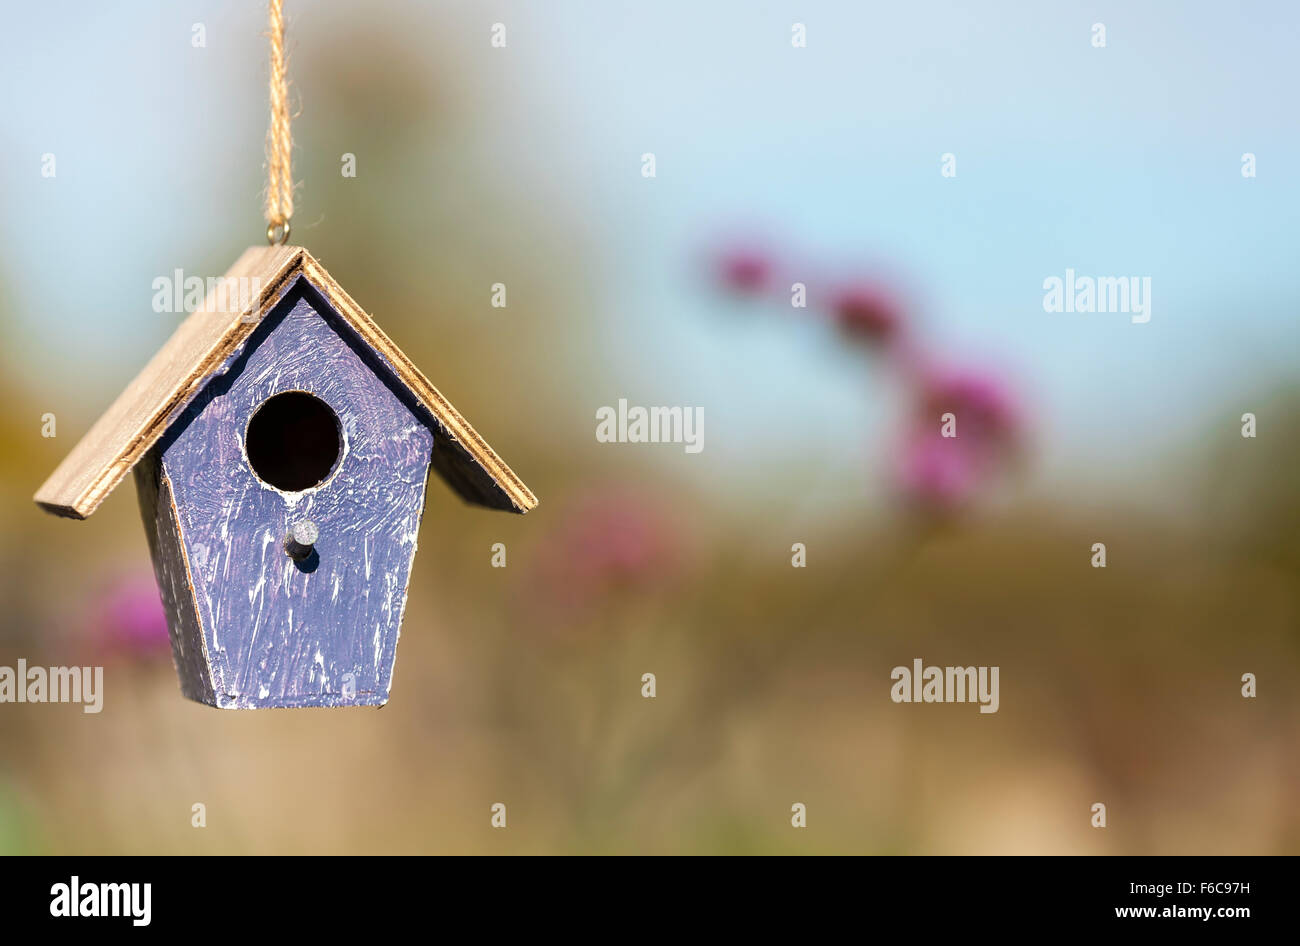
(293, 441)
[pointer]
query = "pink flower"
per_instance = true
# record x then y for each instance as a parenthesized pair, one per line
(745, 270)
(936, 472)
(943, 473)
(128, 618)
(868, 312)
(988, 416)
(611, 541)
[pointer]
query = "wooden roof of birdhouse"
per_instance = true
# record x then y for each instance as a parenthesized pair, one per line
(203, 345)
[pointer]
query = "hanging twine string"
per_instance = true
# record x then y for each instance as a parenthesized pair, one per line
(279, 143)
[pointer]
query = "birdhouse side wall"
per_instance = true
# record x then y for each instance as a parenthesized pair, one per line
(174, 584)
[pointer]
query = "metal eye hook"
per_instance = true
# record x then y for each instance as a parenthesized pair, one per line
(277, 233)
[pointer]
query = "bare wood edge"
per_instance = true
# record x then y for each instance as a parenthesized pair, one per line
(282, 264)
(52, 495)
(457, 427)
(194, 598)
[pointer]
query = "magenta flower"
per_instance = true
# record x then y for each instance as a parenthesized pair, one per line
(868, 312)
(612, 541)
(937, 473)
(745, 270)
(944, 473)
(128, 618)
(988, 416)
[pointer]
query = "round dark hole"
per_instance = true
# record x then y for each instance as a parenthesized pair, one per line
(293, 441)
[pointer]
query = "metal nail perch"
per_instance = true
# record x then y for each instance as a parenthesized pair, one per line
(302, 536)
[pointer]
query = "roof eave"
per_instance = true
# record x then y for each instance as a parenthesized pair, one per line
(200, 346)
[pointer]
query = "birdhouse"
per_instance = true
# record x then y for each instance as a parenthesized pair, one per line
(281, 444)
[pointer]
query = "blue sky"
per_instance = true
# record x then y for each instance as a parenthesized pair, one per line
(1116, 161)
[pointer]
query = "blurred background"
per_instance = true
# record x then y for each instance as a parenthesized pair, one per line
(821, 165)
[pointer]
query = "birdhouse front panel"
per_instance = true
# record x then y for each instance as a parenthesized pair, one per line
(297, 478)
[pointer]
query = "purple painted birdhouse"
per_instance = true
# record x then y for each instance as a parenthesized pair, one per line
(281, 444)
